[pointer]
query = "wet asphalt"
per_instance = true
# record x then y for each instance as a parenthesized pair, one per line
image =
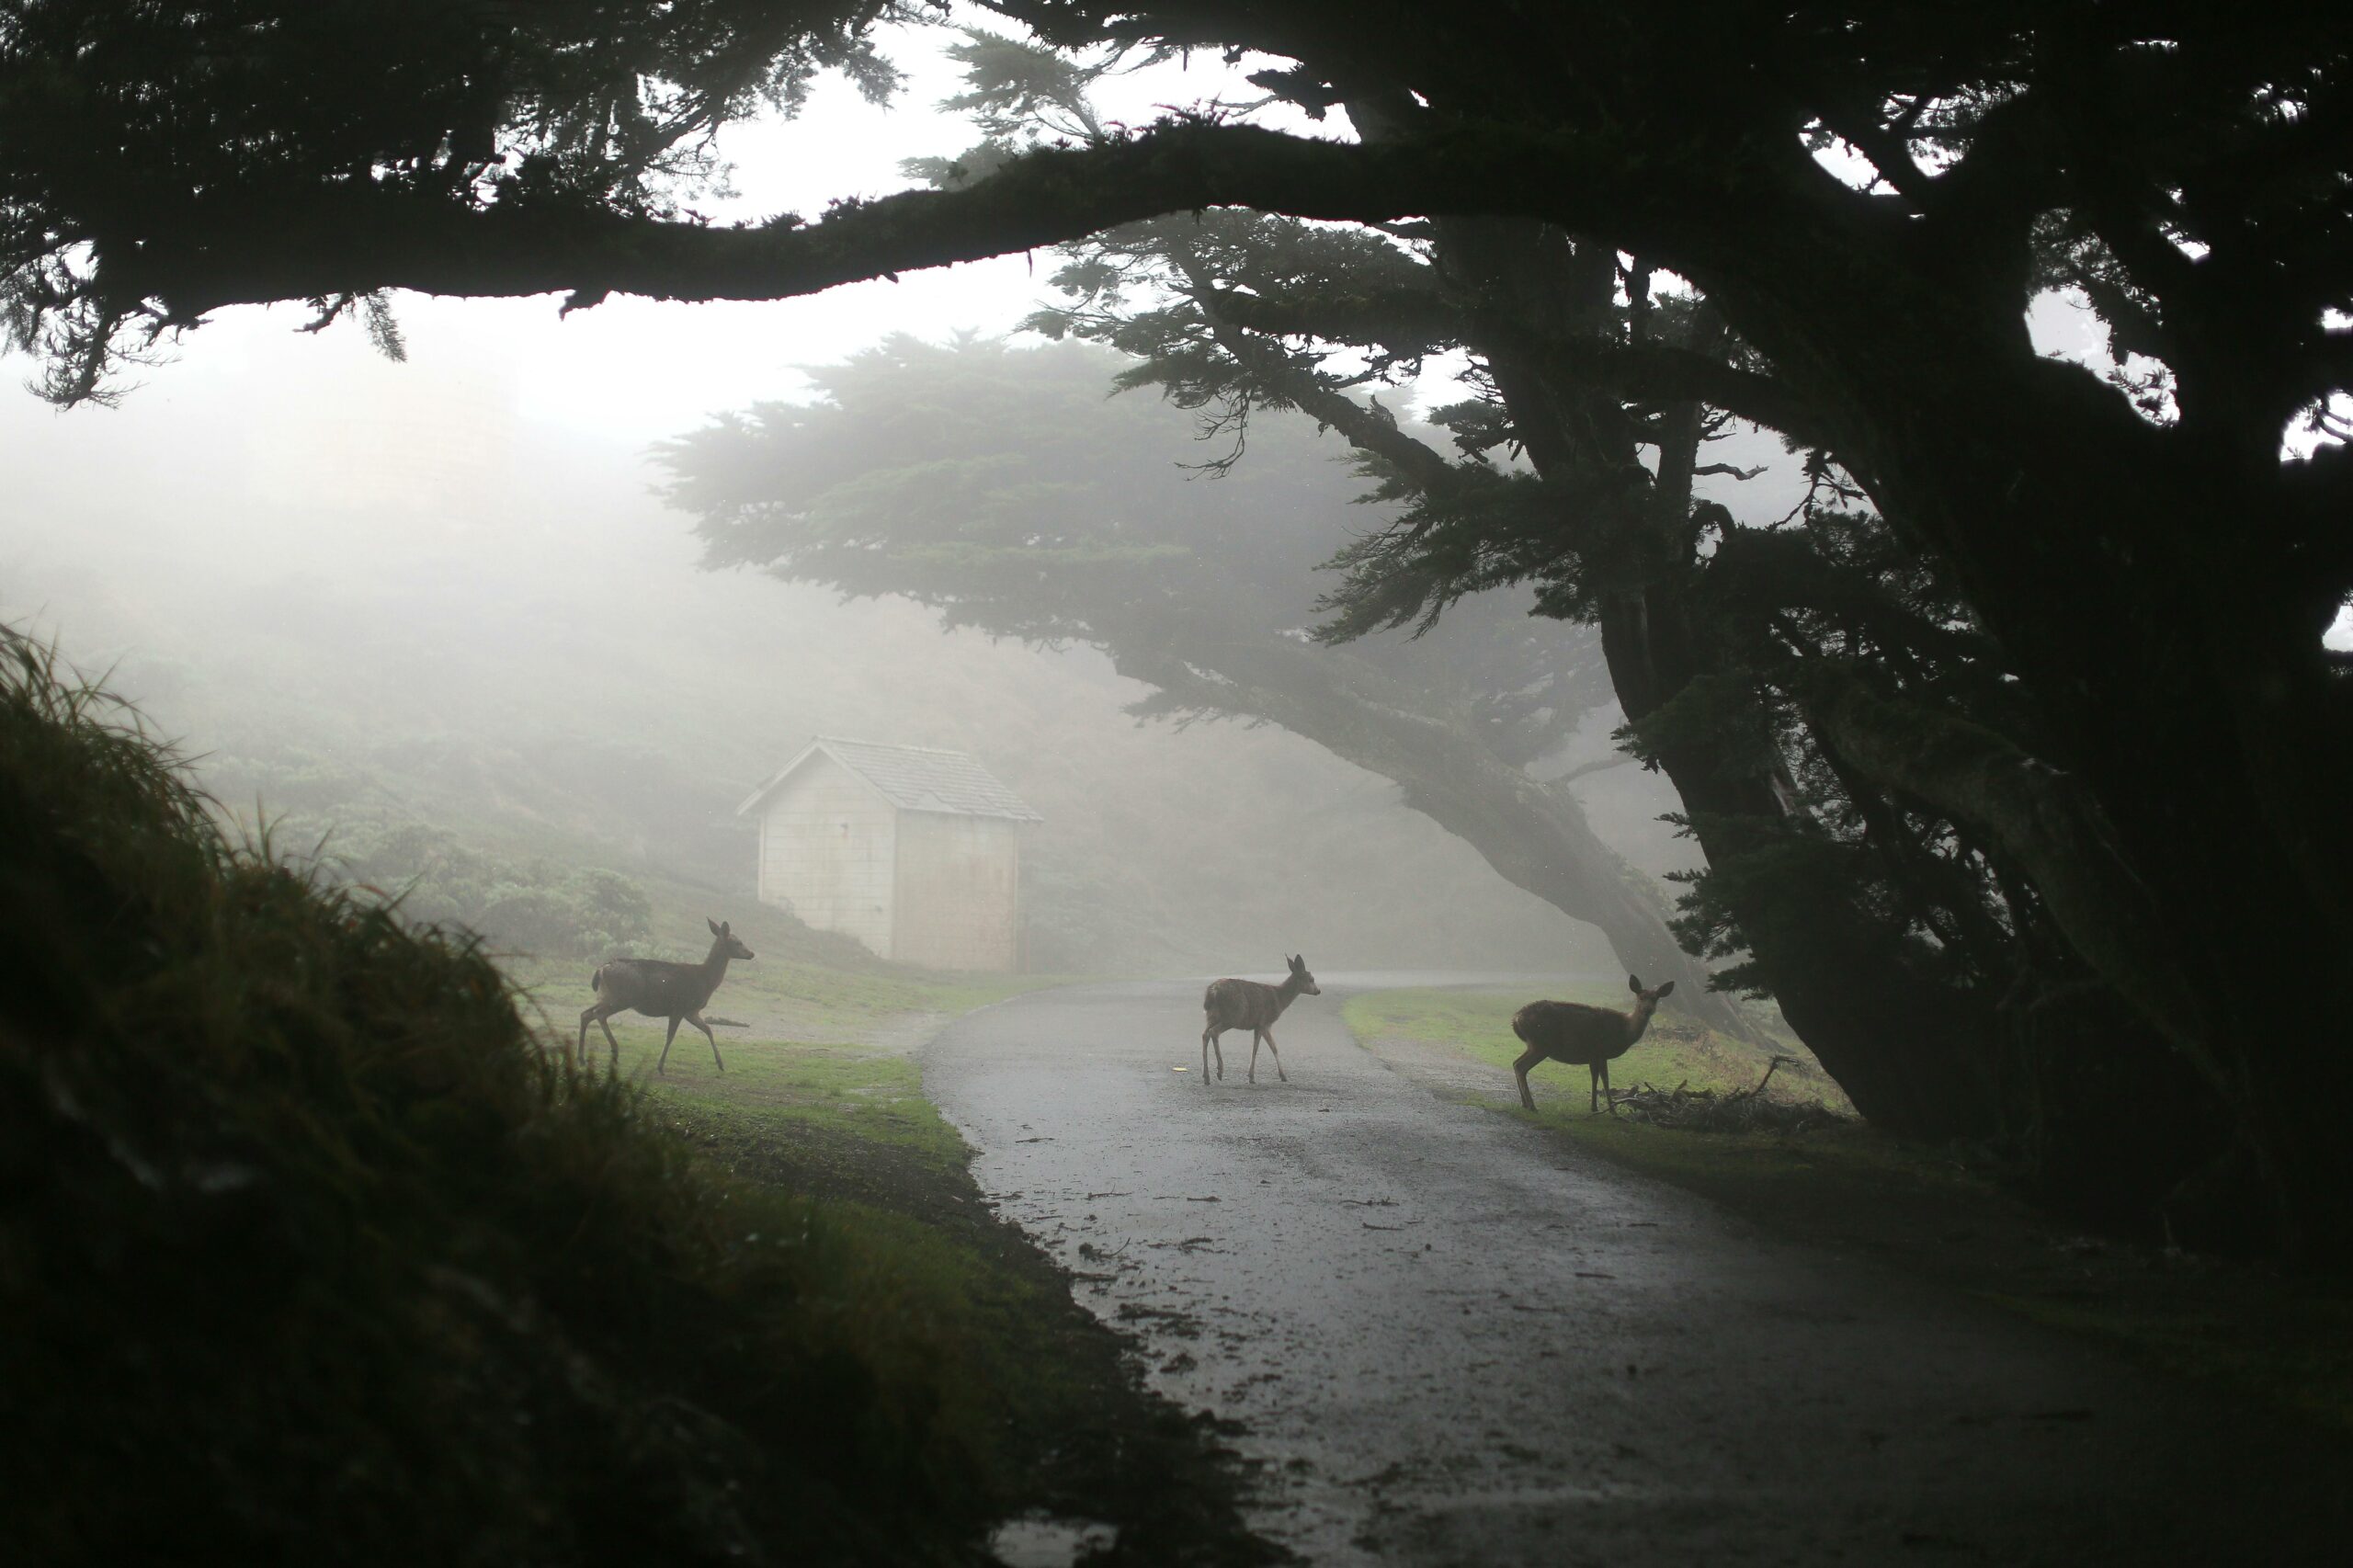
(1448, 1336)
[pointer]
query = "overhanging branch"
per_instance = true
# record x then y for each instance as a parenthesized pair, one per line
(250, 248)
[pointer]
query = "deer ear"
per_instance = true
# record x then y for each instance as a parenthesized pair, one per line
(1667, 990)
(1634, 984)
(712, 924)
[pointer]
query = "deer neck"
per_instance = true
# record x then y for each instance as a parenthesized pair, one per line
(1286, 992)
(715, 964)
(1640, 1018)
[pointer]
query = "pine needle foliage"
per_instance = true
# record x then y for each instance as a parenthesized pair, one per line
(308, 1251)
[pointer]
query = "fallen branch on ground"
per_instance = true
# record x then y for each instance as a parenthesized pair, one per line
(1704, 1110)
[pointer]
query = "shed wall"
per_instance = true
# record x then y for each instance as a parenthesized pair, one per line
(827, 847)
(959, 891)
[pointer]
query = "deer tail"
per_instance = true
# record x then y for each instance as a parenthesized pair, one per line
(596, 981)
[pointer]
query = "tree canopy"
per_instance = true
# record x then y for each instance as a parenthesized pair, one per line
(2075, 646)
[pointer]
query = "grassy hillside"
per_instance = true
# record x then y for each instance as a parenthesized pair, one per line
(307, 1253)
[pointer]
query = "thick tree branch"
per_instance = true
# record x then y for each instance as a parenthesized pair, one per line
(248, 248)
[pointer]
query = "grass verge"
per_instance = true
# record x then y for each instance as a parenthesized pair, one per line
(1072, 1432)
(1937, 1213)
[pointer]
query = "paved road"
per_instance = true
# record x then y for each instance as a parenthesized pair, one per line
(1452, 1338)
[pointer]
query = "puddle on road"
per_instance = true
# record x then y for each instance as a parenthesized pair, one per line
(1043, 1540)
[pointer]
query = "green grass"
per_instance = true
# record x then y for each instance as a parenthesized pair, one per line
(1068, 1431)
(802, 984)
(1672, 1050)
(851, 1126)
(793, 1087)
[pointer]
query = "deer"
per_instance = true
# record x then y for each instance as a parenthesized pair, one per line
(1255, 1005)
(1582, 1036)
(660, 989)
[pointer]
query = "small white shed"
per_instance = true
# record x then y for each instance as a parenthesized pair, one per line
(914, 851)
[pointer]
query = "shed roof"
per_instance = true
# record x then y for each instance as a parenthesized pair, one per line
(914, 778)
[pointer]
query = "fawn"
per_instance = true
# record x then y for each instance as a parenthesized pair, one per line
(660, 989)
(1582, 1036)
(1253, 1006)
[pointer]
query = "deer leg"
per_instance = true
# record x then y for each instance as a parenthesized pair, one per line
(1277, 1054)
(666, 1039)
(1604, 1088)
(580, 1053)
(1520, 1069)
(1593, 1075)
(696, 1019)
(1210, 1042)
(1254, 1055)
(605, 1022)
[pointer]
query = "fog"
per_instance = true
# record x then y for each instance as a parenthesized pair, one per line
(442, 595)
(397, 592)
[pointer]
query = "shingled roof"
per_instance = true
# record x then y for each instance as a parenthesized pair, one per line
(914, 778)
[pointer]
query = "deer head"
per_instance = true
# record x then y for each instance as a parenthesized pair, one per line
(727, 943)
(1646, 1002)
(1305, 982)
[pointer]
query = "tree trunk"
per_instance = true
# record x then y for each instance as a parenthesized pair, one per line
(1916, 1057)
(1913, 1055)
(2144, 586)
